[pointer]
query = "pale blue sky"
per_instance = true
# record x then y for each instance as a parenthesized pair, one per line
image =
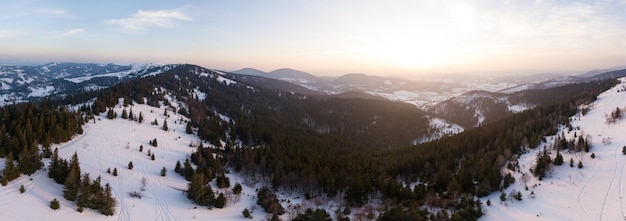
(323, 37)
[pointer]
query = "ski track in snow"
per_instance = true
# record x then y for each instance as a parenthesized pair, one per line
(124, 215)
(580, 195)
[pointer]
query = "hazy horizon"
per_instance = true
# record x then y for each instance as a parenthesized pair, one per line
(324, 38)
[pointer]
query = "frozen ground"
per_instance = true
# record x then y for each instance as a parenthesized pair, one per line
(595, 192)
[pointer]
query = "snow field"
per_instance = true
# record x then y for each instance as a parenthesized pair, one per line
(113, 144)
(595, 192)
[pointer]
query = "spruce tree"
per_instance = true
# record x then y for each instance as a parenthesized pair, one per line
(130, 165)
(108, 208)
(165, 128)
(163, 171)
(115, 171)
(72, 184)
(187, 170)
(140, 117)
(131, 116)
(220, 201)
(54, 164)
(237, 189)
(10, 171)
(84, 194)
(558, 160)
(199, 192)
(178, 169)
(246, 213)
(111, 114)
(54, 204)
(29, 161)
(124, 114)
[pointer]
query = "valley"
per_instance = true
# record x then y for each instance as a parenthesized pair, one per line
(344, 158)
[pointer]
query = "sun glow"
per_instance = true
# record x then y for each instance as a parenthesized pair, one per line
(430, 44)
(414, 53)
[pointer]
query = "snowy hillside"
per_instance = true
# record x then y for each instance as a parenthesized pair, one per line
(112, 144)
(593, 192)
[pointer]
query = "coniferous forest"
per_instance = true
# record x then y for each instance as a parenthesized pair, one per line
(355, 148)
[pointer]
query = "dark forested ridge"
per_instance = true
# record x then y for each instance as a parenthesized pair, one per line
(356, 148)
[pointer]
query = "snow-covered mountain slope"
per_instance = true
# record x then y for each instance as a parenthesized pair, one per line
(593, 192)
(112, 144)
(24, 83)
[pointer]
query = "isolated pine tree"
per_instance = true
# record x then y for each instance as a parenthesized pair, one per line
(114, 171)
(220, 201)
(130, 165)
(165, 128)
(246, 213)
(178, 169)
(54, 204)
(558, 160)
(124, 114)
(152, 157)
(163, 171)
(154, 143)
(140, 119)
(131, 116)
(111, 114)
(237, 189)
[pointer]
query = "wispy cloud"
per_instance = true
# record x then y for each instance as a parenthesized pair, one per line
(52, 11)
(142, 20)
(72, 32)
(10, 34)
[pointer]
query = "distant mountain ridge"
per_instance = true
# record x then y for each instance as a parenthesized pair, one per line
(25, 83)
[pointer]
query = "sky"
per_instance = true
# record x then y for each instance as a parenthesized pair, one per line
(322, 37)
